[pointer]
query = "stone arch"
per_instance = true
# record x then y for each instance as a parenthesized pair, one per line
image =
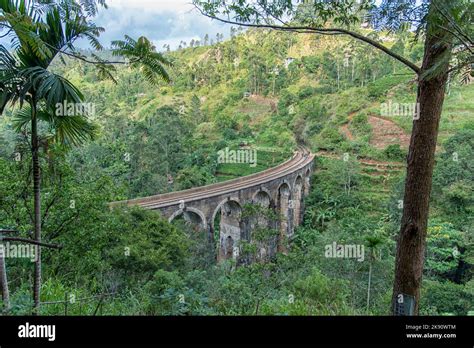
(277, 192)
(259, 192)
(190, 215)
(230, 227)
(284, 210)
(298, 181)
(262, 197)
(298, 188)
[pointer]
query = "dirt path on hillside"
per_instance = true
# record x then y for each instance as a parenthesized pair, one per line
(260, 99)
(365, 161)
(371, 167)
(345, 128)
(347, 133)
(384, 132)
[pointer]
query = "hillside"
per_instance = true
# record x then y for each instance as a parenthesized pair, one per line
(268, 92)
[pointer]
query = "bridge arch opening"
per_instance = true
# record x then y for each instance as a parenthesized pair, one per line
(284, 206)
(263, 199)
(298, 200)
(227, 226)
(190, 217)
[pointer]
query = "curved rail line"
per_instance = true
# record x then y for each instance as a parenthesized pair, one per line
(301, 158)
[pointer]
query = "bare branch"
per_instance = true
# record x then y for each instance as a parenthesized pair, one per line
(29, 241)
(327, 31)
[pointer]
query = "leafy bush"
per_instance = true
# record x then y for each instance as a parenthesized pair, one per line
(453, 182)
(445, 298)
(360, 125)
(380, 87)
(329, 138)
(444, 245)
(142, 243)
(192, 177)
(394, 152)
(305, 92)
(321, 295)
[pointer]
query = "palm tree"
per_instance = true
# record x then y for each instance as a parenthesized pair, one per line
(373, 242)
(41, 32)
(4, 284)
(26, 74)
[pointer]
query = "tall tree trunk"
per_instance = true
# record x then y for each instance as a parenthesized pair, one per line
(4, 284)
(37, 206)
(412, 238)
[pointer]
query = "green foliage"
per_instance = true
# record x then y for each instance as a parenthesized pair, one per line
(453, 180)
(192, 177)
(145, 243)
(329, 139)
(306, 92)
(380, 87)
(147, 143)
(445, 298)
(360, 125)
(142, 54)
(322, 295)
(394, 152)
(445, 245)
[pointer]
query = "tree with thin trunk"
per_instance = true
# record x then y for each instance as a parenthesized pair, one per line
(446, 30)
(373, 242)
(3, 267)
(4, 284)
(42, 32)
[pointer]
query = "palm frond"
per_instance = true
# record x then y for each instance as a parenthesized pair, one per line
(142, 54)
(51, 87)
(10, 82)
(104, 70)
(66, 130)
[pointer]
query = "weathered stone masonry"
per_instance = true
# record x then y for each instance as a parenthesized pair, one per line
(281, 189)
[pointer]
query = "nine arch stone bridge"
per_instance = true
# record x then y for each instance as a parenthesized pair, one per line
(281, 189)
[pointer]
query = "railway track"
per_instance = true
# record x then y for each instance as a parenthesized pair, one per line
(300, 159)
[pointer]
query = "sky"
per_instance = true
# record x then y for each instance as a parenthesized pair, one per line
(161, 21)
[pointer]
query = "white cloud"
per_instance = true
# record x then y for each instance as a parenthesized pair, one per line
(162, 21)
(153, 5)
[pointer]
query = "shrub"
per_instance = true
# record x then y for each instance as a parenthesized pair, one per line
(329, 138)
(305, 92)
(445, 298)
(360, 124)
(381, 86)
(394, 152)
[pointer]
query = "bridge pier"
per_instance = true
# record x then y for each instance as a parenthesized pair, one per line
(230, 230)
(284, 210)
(281, 189)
